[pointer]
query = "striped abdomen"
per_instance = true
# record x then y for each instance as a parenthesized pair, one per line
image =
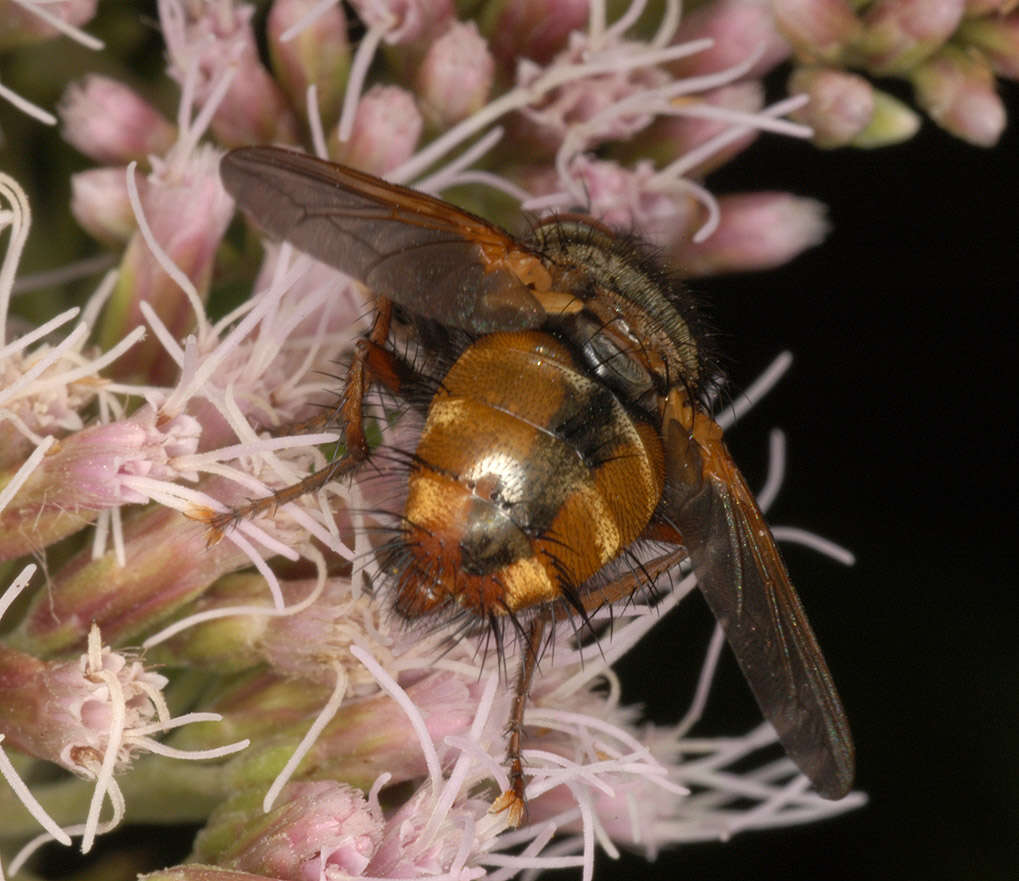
(529, 477)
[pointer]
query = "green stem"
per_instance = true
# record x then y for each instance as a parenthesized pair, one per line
(157, 790)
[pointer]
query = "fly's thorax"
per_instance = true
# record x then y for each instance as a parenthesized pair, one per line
(529, 477)
(639, 331)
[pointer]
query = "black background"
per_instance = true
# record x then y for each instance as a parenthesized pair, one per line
(900, 420)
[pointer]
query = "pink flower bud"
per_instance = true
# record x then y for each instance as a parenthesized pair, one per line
(19, 27)
(317, 829)
(37, 395)
(756, 231)
(456, 75)
(841, 104)
(819, 30)
(97, 461)
(319, 55)
(363, 739)
(956, 88)
(111, 123)
(571, 109)
(534, 29)
(188, 211)
(998, 38)
(34, 518)
(100, 204)
(621, 198)
(217, 40)
(404, 851)
(405, 21)
(62, 711)
(899, 34)
(168, 562)
(669, 137)
(387, 126)
(90, 471)
(739, 28)
(255, 110)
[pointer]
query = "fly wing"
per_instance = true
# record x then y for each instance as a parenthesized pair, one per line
(744, 580)
(424, 254)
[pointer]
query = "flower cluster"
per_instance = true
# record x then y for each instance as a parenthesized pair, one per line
(335, 740)
(948, 51)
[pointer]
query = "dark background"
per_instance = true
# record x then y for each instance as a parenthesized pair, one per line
(900, 420)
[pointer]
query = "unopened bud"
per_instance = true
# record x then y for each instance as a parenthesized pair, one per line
(255, 109)
(841, 104)
(998, 38)
(316, 829)
(891, 123)
(956, 88)
(819, 30)
(756, 231)
(168, 562)
(20, 27)
(90, 471)
(899, 34)
(318, 55)
(100, 204)
(187, 211)
(456, 75)
(534, 29)
(111, 123)
(738, 29)
(386, 129)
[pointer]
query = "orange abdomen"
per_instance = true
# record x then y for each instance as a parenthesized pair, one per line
(529, 477)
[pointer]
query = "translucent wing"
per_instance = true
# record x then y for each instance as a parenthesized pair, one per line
(746, 585)
(422, 253)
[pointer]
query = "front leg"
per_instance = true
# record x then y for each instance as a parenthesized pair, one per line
(371, 363)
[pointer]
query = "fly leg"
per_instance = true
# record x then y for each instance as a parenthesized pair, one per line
(623, 587)
(512, 800)
(372, 362)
